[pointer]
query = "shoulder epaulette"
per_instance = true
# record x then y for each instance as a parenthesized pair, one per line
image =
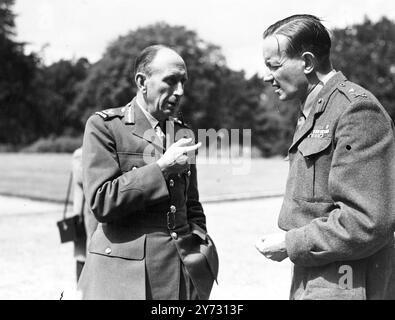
(351, 91)
(111, 113)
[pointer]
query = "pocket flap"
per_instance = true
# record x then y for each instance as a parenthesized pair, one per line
(133, 249)
(311, 146)
(129, 160)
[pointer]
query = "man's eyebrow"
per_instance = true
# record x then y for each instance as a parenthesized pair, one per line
(176, 75)
(273, 61)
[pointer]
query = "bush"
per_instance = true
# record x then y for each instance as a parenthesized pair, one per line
(8, 147)
(54, 144)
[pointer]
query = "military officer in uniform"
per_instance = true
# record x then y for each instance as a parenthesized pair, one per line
(151, 241)
(339, 206)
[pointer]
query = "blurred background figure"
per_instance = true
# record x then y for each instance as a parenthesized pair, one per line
(80, 208)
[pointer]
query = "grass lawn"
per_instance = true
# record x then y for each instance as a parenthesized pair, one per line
(45, 176)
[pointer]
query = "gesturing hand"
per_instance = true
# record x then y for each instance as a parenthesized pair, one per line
(175, 159)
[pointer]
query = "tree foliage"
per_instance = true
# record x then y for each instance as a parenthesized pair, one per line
(215, 96)
(111, 81)
(59, 84)
(365, 54)
(17, 72)
(34, 99)
(7, 22)
(50, 104)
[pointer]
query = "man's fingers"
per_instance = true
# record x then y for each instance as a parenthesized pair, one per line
(182, 160)
(194, 147)
(182, 142)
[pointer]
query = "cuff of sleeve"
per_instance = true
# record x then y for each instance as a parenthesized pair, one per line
(149, 180)
(154, 186)
(298, 246)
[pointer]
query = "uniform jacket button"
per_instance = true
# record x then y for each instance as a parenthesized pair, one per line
(174, 235)
(108, 250)
(134, 168)
(173, 209)
(189, 173)
(171, 183)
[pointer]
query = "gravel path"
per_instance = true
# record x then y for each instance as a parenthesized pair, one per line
(34, 265)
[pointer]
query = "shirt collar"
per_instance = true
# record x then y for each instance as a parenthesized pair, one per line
(307, 106)
(326, 78)
(153, 122)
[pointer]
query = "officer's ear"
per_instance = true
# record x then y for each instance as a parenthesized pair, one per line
(141, 81)
(310, 62)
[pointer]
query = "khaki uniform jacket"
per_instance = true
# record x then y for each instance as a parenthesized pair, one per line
(339, 205)
(148, 225)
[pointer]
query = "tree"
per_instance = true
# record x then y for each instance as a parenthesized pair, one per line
(59, 84)
(16, 73)
(40, 101)
(111, 84)
(275, 123)
(7, 23)
(34, 98)
(365, 53)
(215, 96)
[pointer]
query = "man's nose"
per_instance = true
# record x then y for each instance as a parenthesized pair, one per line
(268, 77)
(179, 91)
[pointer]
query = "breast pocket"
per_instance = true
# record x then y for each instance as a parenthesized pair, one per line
(312, 169)
(132, 160)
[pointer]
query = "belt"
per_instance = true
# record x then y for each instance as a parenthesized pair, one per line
(161, 220)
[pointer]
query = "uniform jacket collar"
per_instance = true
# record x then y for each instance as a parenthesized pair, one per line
(319, 105)
(141, 126)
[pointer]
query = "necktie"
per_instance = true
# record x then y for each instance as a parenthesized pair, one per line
(161, 135)
(301, 122)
